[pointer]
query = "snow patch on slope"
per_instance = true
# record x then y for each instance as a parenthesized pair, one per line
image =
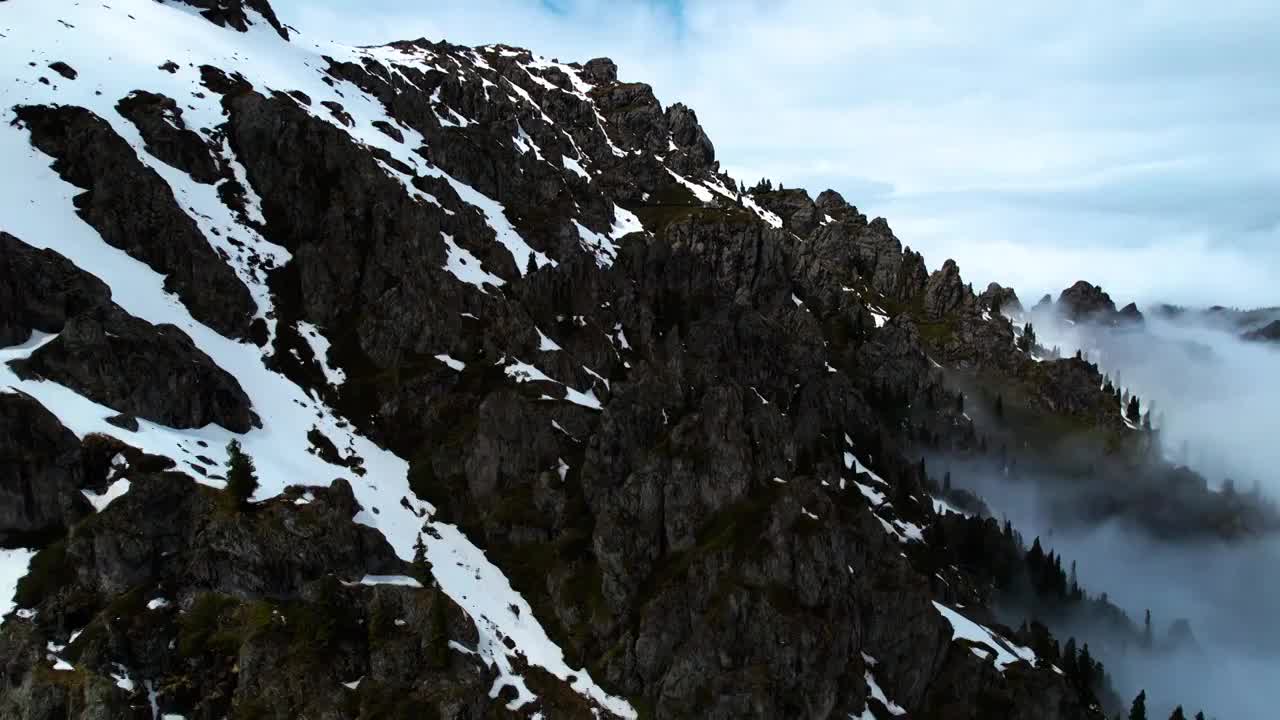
(13, 565)
(963, 628)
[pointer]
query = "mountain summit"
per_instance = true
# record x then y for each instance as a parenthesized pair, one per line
(424, 380)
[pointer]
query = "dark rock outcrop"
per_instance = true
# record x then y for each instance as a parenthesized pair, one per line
(999, 299)
(40, 289)
(151, 371)
(946, 294)
(63, 69)
(688, 530)
(231, 13)
(258, 609)
(135, 210)
(40, 473)
(1086, 301)
(1267, 333)
(159, 120)
(102, 352)
(1130, 315)
(799, 214)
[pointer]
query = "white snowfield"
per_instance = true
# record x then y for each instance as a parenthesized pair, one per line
(117, 47)
(1003, 651)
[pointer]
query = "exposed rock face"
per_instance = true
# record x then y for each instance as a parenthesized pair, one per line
(833, 203)
(879, 257)
(231, 13)
(1130, 315)
(999, 298)
(1085, 301)
(895, 358)
(1070, 387)
(159, 120)
(945, 292)
(600, 71)
(644, 405)
(1268, 333)
(40, 472)
(695, 154)
(134, 210)
(978, 344)
(151, 371)
(275, 587)
(799, 214)
(40, 289)
(111, 357)
(273, 552)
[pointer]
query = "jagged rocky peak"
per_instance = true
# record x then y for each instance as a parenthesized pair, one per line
(833, 203)
(946, 293)
(1085, 301)
(999, 298)
(798, 212)
(1130, 314)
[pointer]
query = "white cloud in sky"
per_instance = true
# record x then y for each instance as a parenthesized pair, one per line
(1129, 144)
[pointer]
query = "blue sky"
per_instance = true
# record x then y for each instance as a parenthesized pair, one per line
(1133, 146)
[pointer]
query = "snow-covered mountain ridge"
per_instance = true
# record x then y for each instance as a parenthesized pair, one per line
(550, 417)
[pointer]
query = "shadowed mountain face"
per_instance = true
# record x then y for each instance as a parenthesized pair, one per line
(548, 417)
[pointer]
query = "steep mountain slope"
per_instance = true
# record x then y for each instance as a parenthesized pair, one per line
(551, 418)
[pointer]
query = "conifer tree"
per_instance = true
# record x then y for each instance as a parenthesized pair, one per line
(1200, 715)
(1134, 413)
(242, 478)
(1087, 668)
(421, 565)
(530, 265)
(1178, 714)
(1070, 666)
(946, 482)
(1139, 709)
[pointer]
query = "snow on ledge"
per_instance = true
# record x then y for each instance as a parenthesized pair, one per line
(401, 580)
(1006, 652)
(100, 501)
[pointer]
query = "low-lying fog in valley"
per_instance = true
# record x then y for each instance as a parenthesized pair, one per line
(1216, 406)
